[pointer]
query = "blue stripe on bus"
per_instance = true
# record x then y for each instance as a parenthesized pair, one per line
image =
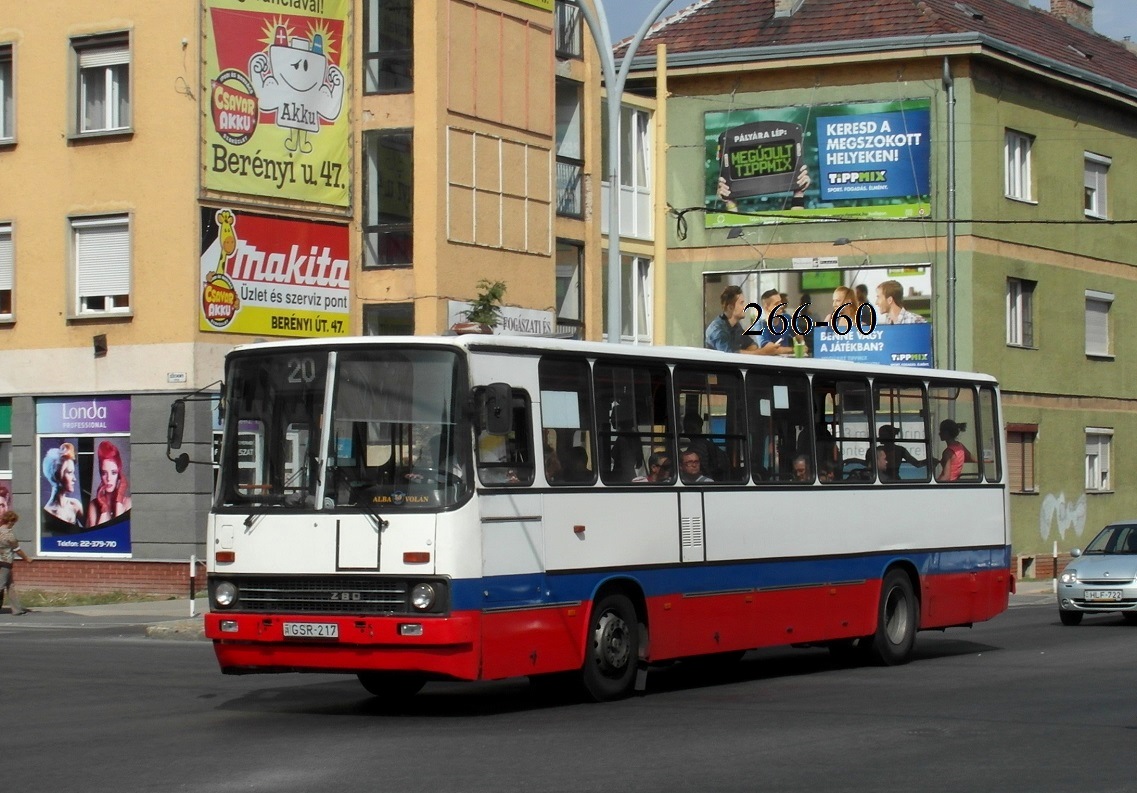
(534, 589)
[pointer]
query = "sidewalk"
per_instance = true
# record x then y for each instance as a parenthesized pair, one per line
(158, 619)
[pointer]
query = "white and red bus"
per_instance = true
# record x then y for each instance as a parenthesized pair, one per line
(475, 508)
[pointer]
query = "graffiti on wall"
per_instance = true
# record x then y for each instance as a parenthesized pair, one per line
(1069, 516)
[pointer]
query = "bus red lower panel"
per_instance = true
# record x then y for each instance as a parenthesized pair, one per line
(256, 643)
(715, 623)
(963, 598)
(534, 641)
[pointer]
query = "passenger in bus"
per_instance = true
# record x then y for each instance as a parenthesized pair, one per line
(715, 462)
(956, 454)
(627, 456)
(574, 467)
(828, 455)
(552, 464)
(727, 331)
(890, 455)
(658, 469)
(692, 468)
(803, 472)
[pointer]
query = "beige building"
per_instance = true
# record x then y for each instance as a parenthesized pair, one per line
(179, 178)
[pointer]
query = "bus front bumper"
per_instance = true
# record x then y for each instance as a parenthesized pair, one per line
(261, 643)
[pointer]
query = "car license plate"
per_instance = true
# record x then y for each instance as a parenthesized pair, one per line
(311, 630)
(1103, 595)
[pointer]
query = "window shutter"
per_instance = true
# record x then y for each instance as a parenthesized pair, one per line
(102, 258)
(7, 258)
(96, 57)
(1097, 327)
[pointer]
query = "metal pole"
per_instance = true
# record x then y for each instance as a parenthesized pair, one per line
(192, 581)
(949, 87)
(598, 25)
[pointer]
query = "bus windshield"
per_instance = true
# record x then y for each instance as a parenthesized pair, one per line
(392, 440)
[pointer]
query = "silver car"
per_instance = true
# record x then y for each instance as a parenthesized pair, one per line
(1102, 578)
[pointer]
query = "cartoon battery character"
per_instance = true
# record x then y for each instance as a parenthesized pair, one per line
(294, 79)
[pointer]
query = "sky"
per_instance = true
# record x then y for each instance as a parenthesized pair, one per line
(1114, 18)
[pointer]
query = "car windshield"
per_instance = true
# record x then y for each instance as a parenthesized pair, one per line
(1114, 540)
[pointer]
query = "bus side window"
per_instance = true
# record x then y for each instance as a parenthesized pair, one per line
(634, 419)
(842, 415)
(567, 422)
(713, 423)
(779, 426)
(953, 419)
(508, 459)
(900, 450)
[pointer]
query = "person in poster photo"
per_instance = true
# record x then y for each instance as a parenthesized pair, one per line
(110, 493)
(59, 468)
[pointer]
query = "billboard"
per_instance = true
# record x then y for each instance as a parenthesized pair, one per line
(276, 119)
(84, 492)
(866, 159)
(270, 276)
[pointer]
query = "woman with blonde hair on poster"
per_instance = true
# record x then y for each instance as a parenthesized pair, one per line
(59, 470)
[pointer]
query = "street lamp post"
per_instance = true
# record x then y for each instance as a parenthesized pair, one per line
(614, 80)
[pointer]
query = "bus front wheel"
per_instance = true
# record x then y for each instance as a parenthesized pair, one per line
(898, 617)
(613, 649)
(392, 686)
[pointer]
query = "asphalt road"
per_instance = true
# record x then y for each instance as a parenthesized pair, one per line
(1018, 704)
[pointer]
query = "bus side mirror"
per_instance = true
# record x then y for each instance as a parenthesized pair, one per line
(174, 431)
(496, 408)
(176, 426)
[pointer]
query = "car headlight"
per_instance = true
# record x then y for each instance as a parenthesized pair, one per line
(1069, 577)
(422, 596)
(225, 594)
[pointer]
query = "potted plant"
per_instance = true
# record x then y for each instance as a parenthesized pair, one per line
(484, 313)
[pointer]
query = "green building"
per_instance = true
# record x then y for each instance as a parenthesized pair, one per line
(975, 153)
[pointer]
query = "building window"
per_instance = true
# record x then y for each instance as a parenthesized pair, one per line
(1097, 322)
(389, 319)
(635, 298)
(388, 46)
(1020, 312)
(1097, 196)
(7, 96)
(101, 250)
(635, 173)
(388, 198)
(1098, 443)
(570, 290)
(570, 33)
(570, 150)
(102, 102)
(1021, 439)
(1017, 176)
(7, 271)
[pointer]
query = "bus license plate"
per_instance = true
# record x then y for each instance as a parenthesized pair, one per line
(1103, 595)
(311, 630)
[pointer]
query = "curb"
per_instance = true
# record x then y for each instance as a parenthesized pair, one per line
(192, 629)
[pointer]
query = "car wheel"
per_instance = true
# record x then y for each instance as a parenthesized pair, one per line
(898, 616)
(1070, 617)
(613, 650)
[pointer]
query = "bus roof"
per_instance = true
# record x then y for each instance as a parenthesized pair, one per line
(484, 343)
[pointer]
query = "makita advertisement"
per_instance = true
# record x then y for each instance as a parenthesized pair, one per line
(270, 276)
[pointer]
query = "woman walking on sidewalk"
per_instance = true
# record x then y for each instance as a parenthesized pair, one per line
(9, 550)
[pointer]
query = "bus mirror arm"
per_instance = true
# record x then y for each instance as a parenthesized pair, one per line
(175, 428)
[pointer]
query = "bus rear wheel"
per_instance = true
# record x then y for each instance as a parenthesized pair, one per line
(898, 617)
(613, 649)
(392, 686)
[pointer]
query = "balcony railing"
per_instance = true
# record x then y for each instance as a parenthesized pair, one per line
(570, 34)
(570, 187)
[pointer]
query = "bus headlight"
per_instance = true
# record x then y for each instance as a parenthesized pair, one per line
(225, 594)
(422, 596)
